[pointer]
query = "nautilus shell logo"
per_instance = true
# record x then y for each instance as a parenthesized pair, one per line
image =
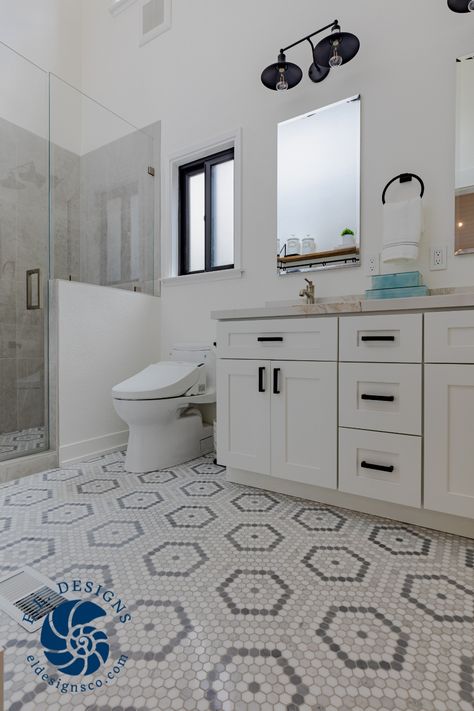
(71, 643)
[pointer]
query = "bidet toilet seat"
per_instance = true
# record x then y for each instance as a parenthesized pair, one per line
(160, 381)
(160, 405)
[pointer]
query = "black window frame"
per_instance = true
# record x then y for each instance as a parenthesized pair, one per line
(203, 165)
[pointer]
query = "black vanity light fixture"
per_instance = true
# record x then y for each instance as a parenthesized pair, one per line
(334, 50)
(461, 5)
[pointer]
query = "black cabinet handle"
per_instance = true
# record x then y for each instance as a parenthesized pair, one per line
(379, 398)
(377, 338)
(261, 380)
(377, 467)
(270, 339)
(276, 387)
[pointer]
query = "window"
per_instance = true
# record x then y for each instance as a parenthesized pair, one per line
(206, 214)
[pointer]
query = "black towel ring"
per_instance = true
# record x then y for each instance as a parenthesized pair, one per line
(404, 178)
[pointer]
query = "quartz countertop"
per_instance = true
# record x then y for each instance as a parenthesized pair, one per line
(438, 299)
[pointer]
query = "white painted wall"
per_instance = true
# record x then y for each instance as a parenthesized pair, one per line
(105, 336)
(47, 32)
(203, 78)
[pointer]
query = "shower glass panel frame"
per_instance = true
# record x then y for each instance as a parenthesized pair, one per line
(102, 194)
(24, 256)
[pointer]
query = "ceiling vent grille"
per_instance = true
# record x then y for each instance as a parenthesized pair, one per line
(155, 18)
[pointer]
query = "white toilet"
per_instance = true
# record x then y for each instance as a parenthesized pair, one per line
(159, 406)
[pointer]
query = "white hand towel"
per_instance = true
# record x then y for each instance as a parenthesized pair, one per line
(402, 229)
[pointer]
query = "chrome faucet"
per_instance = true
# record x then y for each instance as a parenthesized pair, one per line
(308, 292)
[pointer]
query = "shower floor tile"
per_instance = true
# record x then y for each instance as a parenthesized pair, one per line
(22, 442)
(241, 600)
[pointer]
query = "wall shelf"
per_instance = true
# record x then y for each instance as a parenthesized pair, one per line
(348, 255)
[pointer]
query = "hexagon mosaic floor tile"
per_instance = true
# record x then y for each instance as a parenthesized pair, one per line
(218, 597)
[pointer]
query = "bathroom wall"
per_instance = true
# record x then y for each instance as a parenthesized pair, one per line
(405, 73)
(46, 32)
(104, 337)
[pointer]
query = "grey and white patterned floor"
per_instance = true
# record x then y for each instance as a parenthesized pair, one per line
(242, 600)
(22, 442)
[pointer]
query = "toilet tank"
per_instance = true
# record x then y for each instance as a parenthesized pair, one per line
(197, 353)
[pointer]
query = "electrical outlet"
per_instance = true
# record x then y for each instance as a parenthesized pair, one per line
(438, 258)
(373, 264)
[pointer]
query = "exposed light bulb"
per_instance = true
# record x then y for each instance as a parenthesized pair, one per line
(470, 7)
(282, 84)
(336, 59)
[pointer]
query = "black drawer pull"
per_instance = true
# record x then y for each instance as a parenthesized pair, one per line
(377, 338)
(276, 386)
(377, 467)
(270, 339)
(261, 380)
(378, 398)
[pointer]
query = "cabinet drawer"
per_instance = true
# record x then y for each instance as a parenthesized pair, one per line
(380, 466)
(279, 339)
(449, 337)
(384, 339)
(380, 396)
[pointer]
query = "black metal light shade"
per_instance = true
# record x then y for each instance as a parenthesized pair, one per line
(338, 48)
(317, 73)
(347, 47)
(272, 74)
(461, 5)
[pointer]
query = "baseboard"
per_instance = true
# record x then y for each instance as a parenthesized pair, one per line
(418, 517)
(70, 453)
(30, 464)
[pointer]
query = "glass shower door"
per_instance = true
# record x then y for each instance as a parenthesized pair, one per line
(24, 256)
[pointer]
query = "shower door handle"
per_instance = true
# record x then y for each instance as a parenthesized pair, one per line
(33, 289)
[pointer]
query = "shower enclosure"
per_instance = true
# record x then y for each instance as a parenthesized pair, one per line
(77, 203)
(102, 194)
(24, 256)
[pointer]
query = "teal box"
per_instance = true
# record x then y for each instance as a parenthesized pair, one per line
(397, 281)
(399, 293)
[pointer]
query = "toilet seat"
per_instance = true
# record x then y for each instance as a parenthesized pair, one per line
(160, 381)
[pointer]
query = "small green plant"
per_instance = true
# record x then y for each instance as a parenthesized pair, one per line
(347, 231)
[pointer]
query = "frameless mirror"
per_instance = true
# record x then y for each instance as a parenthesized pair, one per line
(464, 241)
(319, 189)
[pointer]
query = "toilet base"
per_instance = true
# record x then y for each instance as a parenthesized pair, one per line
(162, 434)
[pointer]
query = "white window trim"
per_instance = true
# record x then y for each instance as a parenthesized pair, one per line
(146, 37)
(118, 6)
(232, 139)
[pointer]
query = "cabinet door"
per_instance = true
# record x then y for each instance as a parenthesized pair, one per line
(243, 414)
(304, 422)
(449, 439)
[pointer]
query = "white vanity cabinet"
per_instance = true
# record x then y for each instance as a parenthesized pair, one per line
(279, 417)
(449, 412)
(372, 411)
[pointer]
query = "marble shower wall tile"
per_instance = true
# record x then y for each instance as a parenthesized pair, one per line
(24, 241)
(115, 177)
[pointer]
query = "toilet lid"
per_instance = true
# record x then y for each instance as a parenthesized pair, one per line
(158, 381)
